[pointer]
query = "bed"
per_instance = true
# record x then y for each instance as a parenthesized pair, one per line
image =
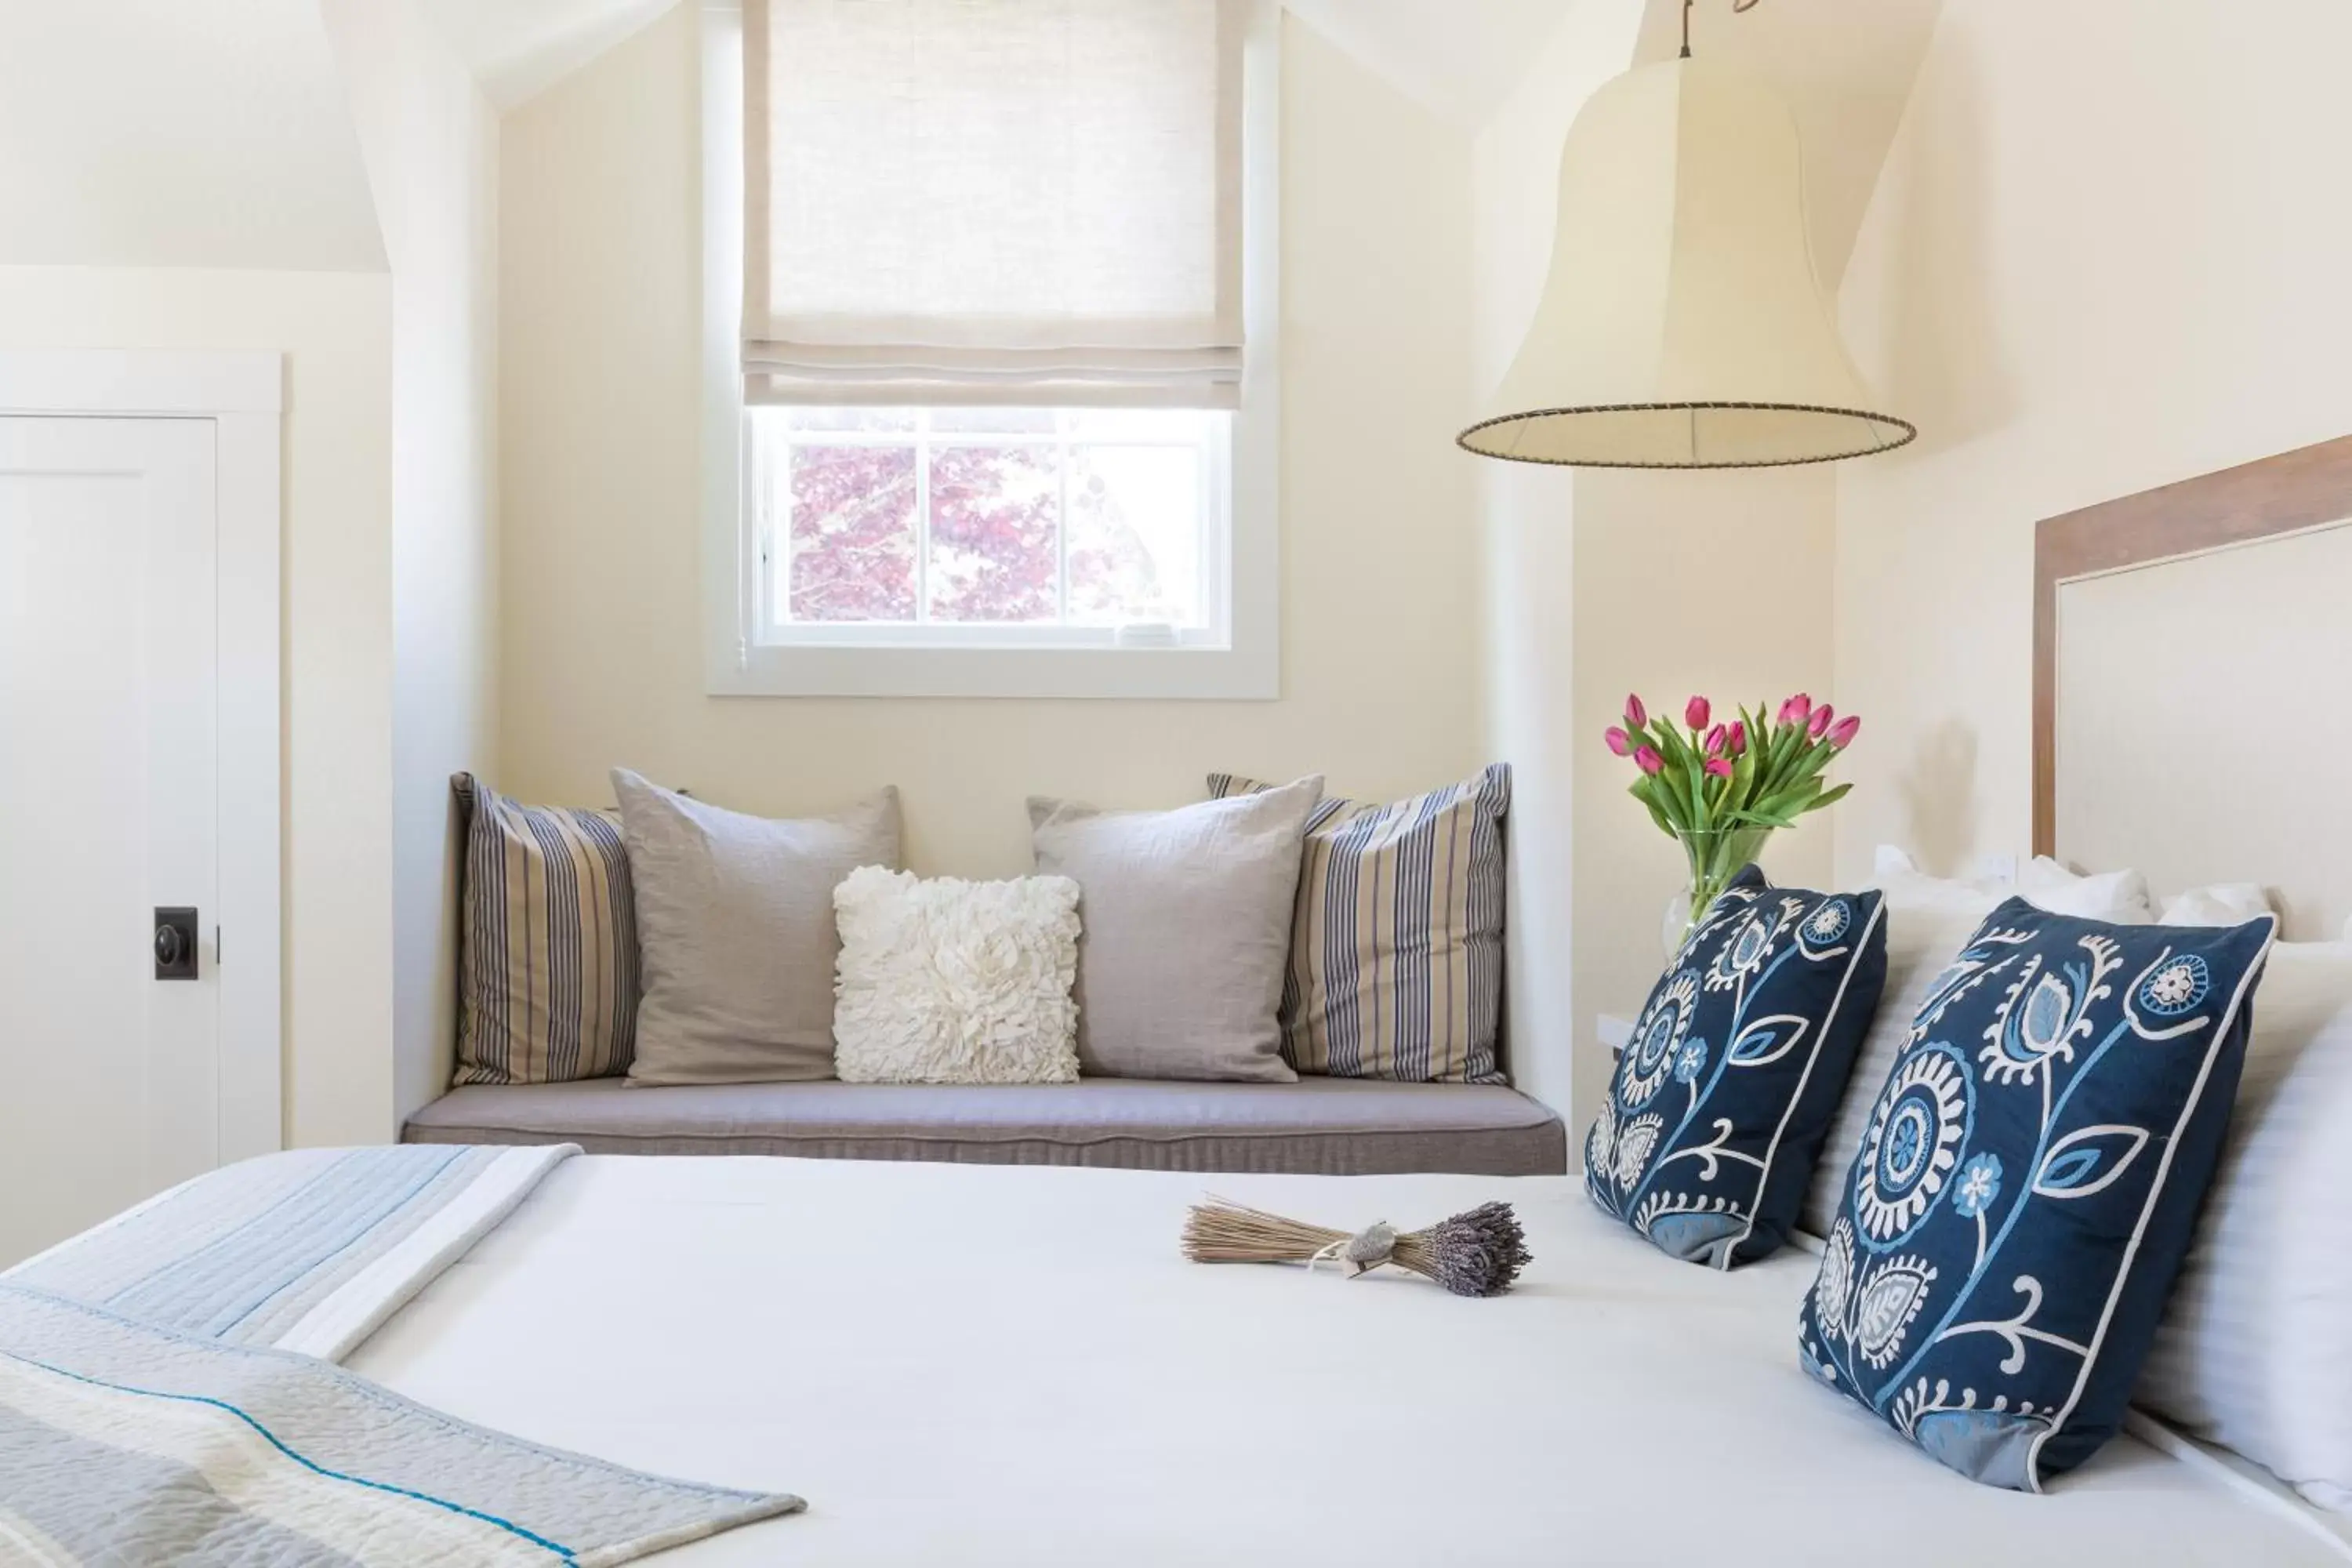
(986, 1365)
(992, 1364)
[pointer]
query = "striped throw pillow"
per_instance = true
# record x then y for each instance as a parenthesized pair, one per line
(547, 972)
(1396, 947)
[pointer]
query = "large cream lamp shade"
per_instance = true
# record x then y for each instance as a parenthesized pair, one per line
(1682, 325)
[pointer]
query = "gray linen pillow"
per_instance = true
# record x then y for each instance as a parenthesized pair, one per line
(736, 931)
(1184, 920)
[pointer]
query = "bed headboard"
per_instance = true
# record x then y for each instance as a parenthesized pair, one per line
(2192, 657)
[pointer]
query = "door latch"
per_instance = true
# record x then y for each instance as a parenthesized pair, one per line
(175, 943)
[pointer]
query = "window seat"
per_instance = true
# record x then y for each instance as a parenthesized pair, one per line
(1322, 1126)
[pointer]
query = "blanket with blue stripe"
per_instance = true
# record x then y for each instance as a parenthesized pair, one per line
(308, 1250)
(125, 1443)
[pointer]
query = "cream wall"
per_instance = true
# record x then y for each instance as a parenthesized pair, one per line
(1524, 517)
(601, 655)
(1602, 582)
(335, 330)
(2106, 252)
(430, 141)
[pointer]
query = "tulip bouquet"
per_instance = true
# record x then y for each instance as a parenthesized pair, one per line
(1719, 790)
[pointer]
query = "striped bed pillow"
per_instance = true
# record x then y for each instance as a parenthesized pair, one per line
(547, 969)
(1396, 947)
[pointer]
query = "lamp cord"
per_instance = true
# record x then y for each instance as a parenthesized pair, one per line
(1737, 7)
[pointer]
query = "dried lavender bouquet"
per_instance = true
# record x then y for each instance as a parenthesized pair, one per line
(1477, 1253)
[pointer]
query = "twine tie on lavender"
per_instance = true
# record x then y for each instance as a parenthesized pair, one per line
(1360, 1253)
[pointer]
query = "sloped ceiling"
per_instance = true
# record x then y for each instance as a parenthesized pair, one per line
(162, 133)
(519, 48)
(1459, 58)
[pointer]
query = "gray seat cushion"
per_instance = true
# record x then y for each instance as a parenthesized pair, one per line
(1318, 1126)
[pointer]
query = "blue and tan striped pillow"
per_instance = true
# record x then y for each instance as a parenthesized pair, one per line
(547, 966)
(1396, 947)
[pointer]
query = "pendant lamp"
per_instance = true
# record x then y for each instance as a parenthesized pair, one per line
(1682, 325)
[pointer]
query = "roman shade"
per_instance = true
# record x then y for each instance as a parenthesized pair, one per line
(992, 201)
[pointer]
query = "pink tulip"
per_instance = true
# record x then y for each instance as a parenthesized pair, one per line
(1646, 758)
(1694, 712)
(1737, 742)
(1715, 738)
(1635, 714)
(1794, 711)
(1719, 767)
(1819, 724)
(1619, 742)
(1842, 736)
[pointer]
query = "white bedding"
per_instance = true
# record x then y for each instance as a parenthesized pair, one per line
(999, 1364)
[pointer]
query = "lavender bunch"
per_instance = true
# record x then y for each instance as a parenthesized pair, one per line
(1477, 1253)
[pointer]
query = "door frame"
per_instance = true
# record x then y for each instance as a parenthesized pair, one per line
(242, 394)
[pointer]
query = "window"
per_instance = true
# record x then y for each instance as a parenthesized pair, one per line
(990, 397)
(990, 527)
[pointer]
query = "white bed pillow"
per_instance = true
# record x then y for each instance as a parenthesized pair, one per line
(2118, 898)
(2218, 904)
(2255, 1349)
(952, 981)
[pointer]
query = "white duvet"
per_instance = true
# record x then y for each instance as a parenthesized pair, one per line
(989, 1364)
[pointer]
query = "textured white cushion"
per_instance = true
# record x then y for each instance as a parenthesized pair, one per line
(2218, 904)
(2255, 1352)
(952, 981)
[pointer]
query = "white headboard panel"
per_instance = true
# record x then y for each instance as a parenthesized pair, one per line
(2204, 732)
(2193, 685)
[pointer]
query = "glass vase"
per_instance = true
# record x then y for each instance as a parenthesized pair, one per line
(1714, 857)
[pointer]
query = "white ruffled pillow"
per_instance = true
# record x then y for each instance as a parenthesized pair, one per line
(2256, 1350)
(952, 981)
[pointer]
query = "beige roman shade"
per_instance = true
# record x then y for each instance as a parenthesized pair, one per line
(992, 201)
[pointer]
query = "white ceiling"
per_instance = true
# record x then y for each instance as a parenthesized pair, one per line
(158, 132)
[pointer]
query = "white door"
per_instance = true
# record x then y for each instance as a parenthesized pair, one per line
(109, 810)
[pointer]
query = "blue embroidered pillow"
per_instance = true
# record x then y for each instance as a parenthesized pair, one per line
(1726, 1089)
(2028, 1185)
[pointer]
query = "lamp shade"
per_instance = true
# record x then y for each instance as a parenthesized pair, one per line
(1682, 325)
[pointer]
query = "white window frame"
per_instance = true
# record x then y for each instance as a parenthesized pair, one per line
(767, 545)
(740, 659)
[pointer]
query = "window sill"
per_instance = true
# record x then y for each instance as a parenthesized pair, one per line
(1234, 674)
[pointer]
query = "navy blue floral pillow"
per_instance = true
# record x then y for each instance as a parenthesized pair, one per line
(2028, 1185)
(1726, 1089)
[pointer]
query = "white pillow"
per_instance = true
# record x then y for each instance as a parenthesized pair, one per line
(2218, 904)
(2118, 898)
(954, 981)
(2255, 1349)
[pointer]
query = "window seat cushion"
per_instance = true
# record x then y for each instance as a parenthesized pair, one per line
(1318, 1126)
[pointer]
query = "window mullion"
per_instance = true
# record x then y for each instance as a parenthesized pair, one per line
(1062, 521)
(922, 516)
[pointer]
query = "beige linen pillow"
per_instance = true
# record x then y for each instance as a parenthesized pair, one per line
(1185, 919)
(735, 924)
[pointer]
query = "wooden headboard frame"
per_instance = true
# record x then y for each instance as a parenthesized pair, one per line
(2297, 490)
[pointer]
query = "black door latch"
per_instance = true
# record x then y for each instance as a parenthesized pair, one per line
(175, 943)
